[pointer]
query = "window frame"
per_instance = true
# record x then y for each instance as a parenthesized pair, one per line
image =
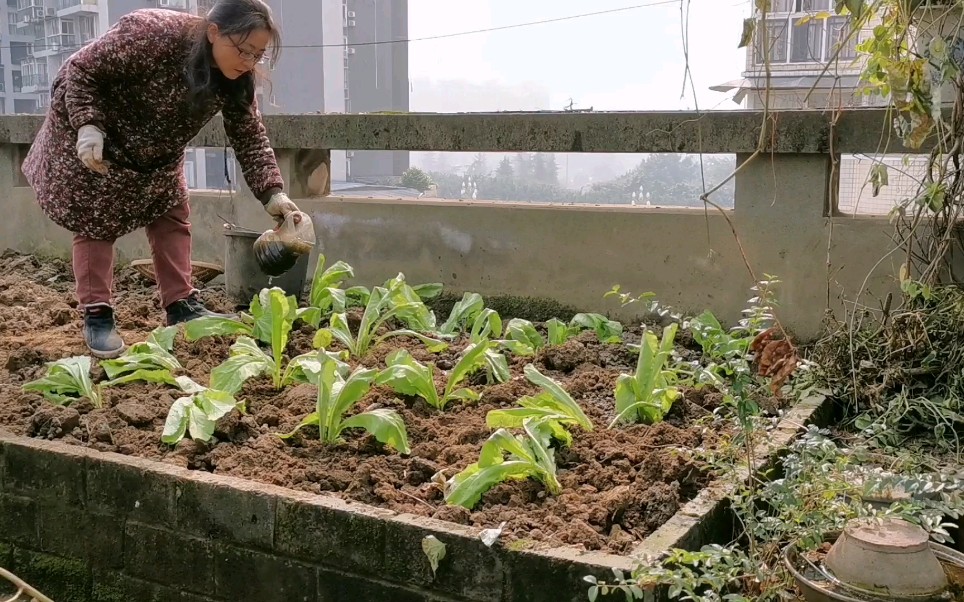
(786, 45)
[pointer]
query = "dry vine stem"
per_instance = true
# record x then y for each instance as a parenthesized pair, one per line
(22, 588)
(776, 358)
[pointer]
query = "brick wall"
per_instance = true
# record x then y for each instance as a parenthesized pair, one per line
(84, 526)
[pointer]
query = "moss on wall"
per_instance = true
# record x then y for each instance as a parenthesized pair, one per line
(534, 309)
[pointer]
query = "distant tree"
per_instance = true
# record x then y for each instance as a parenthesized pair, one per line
(523, 167)
(479, 165)
(505, 172)
(544, 169)
(416, 179)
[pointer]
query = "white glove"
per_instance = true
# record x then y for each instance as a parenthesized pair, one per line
(279, 206)
(90, 148)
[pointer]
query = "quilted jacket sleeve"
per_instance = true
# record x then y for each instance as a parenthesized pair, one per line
(249, 139)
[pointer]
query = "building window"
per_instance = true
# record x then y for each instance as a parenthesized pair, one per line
(795, 35)
(838, 30)
(776, 42)
(806, 41)
(808, 6)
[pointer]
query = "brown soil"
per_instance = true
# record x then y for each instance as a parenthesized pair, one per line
(618, 485)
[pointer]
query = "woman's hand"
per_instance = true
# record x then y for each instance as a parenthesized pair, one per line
(279, 207)
(90, 148)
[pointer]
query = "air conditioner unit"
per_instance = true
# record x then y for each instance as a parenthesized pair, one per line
(351, 14)
(51, 12)
(349, 51)
(351, 23)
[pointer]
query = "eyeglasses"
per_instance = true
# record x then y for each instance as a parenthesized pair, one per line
(250, 57)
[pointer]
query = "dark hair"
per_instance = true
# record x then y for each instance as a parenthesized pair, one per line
(233, 17)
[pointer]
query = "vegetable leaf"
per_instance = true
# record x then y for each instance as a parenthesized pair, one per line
(648, 395)
(247, 361)
(464, 311)
(523, 338)
(218, 326)
(66, 381)
(326, 293)
(337, 395)
(383, 305)
(553, 406)
(408, 376)
(608, 331)
(197, 414)
(529, 456)
(385, 425)
(149, 361)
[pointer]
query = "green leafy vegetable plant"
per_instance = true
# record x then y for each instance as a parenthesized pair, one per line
(384, 304)
(149, 361)
(337, 395)
(422, 292)
(553, 405)
(327, 294)
(608, 331)
(529, 456)
(463, 312)
(66, 381)
(408, 376)
(258, 324)
(648, 394)
(276, 316)
(522, 338)
(196, 413)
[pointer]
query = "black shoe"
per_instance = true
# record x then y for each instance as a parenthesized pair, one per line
(191, 308)
(100, 332)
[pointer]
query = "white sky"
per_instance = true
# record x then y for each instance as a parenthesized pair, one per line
(625, 60)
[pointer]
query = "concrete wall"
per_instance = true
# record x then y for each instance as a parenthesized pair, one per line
(86, 526)
(573, 254)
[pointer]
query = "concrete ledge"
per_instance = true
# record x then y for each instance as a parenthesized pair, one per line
(857, 131)
(123, 525)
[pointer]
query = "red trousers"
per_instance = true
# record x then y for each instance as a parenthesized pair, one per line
(170, 240)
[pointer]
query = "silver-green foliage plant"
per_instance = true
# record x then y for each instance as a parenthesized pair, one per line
(507, 457)
(553, 405)
(66, 381)
(197, 412)
(337, 394)
(408, 376)
(149, 361)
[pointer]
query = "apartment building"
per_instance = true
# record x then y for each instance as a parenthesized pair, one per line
(376, 75)
(799, 45)
(814, 64)
(321, 71)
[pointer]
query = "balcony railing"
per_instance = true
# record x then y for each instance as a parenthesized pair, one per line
(784, 212)
(36, 80)
(65, 4)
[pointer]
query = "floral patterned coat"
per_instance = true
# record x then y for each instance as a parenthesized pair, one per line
(130, 83)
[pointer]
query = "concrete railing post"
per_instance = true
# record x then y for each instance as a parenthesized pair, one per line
(307, 171)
